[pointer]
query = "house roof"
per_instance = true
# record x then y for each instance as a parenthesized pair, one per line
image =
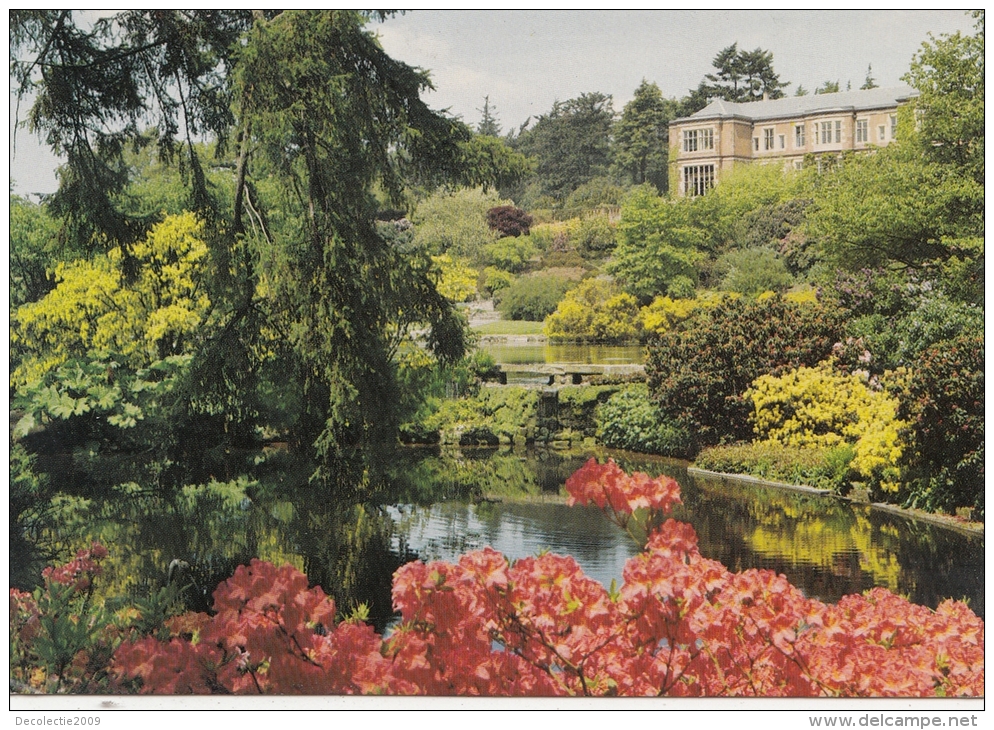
(800, 106)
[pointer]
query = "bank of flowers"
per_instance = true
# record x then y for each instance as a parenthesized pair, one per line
(679, 625)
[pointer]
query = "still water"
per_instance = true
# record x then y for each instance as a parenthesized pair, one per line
(518, 352)
(441, 504)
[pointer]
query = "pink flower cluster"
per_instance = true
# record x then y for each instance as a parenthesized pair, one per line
(607, 485)
(79, 572)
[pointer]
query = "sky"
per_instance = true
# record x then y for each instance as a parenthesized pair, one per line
(525, 60)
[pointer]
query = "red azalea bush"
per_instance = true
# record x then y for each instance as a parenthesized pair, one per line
(680, 625)
(269, 634)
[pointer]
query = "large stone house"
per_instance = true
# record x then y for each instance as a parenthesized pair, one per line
(725, 133)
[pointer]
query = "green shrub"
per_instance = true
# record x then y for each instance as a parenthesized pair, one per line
(935, 318)
(594, 236)
(821, 467)
(899, 317)
(495, 415)
(550, 236)
(509, 253)
(752, 271)
(699, 371)
(493, 280)
(455, 222)
(533, 297)
(630, 420)
(425, 385)
(565, 260)
(944, 404)
(600, 191)
(658, 252)
(100, 400)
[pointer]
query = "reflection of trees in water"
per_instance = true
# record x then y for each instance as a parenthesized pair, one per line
(831, 548)
(826, 547)
(345, 548)
(445, 531)
(427, 476)
(347, 551)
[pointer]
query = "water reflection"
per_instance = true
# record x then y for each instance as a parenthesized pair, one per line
(440, 504)
(530, 353)
(518, 530)
(827, 547)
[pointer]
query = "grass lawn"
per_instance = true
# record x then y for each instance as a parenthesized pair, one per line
(510, 327)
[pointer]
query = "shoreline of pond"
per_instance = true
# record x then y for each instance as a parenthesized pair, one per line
(950, 522)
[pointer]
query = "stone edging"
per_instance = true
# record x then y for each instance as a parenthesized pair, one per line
(971, 528)
(694, 471)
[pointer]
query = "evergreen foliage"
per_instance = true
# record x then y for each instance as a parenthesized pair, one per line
(699, 372)
(571, 144)
(533, 297)
(945, 407)
(641, 137)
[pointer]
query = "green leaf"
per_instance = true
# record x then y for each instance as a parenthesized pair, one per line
(24, 425)
(64, 407)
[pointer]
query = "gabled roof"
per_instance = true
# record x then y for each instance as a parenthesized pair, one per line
(800, 106)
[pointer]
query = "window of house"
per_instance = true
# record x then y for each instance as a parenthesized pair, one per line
(799, 135)
(862, 130)
(838, 132)
(690, 140)
(882, 132)
(755, 144)
(697, 179)
(798, 164)
(767, 139)
(826, 133)
(783, 141)
(893, 126)
(698, 139)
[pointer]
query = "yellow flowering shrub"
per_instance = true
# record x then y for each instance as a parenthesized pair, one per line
(822, 407)
(92, 308)
(457, 281)
(595, 311)
(803, 295)
(664, 313)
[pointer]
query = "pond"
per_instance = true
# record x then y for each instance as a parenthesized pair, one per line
(528, 351)
(441, 504)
